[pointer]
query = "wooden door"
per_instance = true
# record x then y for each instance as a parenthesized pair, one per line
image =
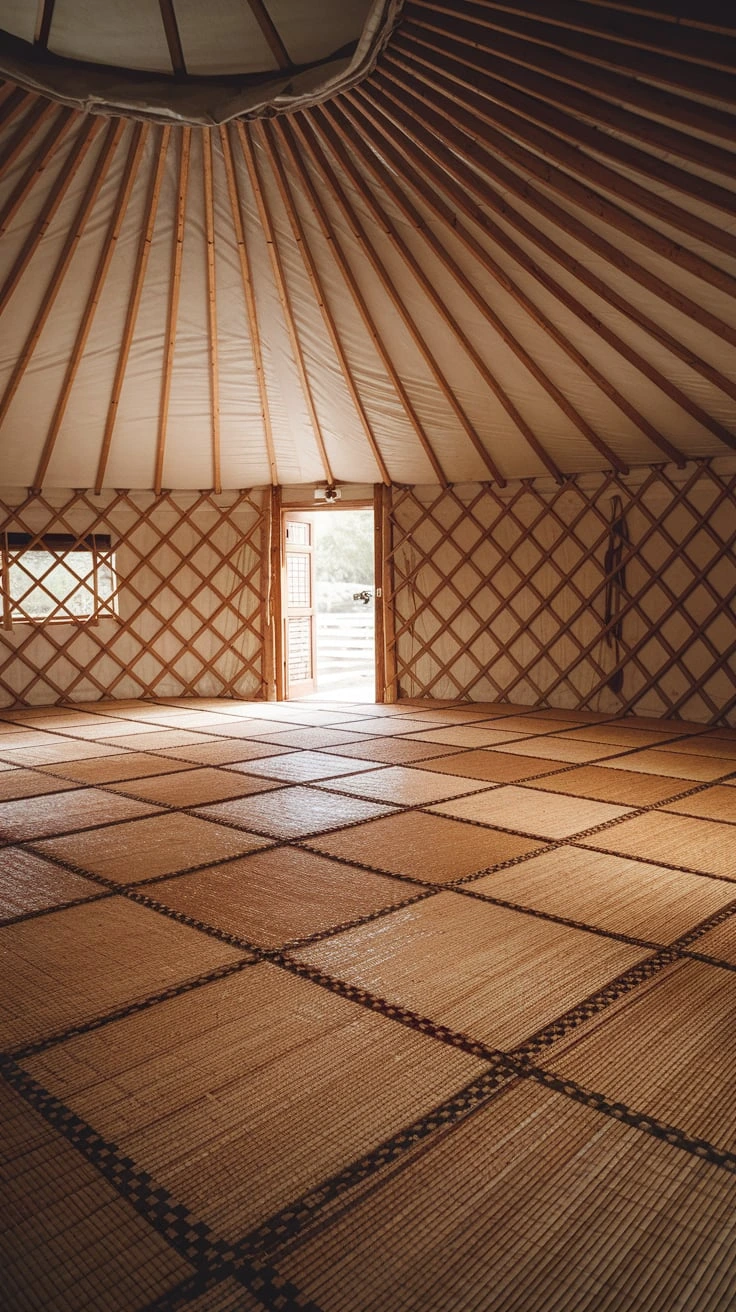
(300, 643)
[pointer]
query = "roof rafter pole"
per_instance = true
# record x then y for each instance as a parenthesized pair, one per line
(449, 220)
(209, 229)
(460, 199)
(250, 300)
(330, 238)
(280, 280)
(50, 206)
(270, 32)
(504, 280)
(311, 268)
(670, 69)
(39, 113)
(45, 152)
(479, 364)
(676, 39)
(12, 100)
(584, 90)
(144, 250)
(173, 39)
(138, 139)
(532, 151)
(456, 145)
(540, 105)
(173, 309)
(115, 129)
(419, 341)
(43, 23)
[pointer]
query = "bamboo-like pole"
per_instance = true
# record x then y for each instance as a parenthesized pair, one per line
(550, 160)
(280, 280)
(369, 250)
(250, 300)
(330, 237)
(138, 140)
(501, 84)
(144, 249)
(327, 317)
(448, 219)
(115, 129)
(209, 228)
(86, 136)
(429, 128)
(173, 307)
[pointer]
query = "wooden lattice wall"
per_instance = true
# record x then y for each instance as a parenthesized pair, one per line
(190, 583)
(503, 595)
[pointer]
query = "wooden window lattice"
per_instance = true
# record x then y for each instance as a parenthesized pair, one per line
(189, 594)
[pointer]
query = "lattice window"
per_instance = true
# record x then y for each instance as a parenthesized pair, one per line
(56, 577)
(502, 596)
(184, 617)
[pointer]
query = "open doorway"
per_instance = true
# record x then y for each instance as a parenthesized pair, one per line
(329, 604)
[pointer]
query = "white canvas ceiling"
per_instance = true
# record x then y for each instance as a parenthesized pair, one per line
(508, 250)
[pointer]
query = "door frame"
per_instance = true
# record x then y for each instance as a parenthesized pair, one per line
(383, 691)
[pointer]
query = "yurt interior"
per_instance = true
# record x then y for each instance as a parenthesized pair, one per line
(368, 655)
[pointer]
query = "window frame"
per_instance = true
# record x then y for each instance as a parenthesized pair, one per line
(59, 546)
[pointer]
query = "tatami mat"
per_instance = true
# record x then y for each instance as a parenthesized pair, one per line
(534, 1203)
(355, 1008)
(247, 1092)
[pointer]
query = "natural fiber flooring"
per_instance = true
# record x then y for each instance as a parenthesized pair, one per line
(415, 1008)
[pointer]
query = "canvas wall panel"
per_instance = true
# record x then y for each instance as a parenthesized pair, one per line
(502, 594)
(190, 584)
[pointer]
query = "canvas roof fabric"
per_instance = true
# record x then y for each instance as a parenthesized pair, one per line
(502, 247)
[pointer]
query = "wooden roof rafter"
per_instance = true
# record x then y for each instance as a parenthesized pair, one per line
(296, 157)
(38, 163)
(115, 129)
(135, 151)
(500, 275)
(40, 111)
(454, 144)
(271, 34)
(397, 301)
(213, 353)
(428, 287)
(144, 250)
(173, 38)
(434, 184)
(668, 69)
(561, 168)
(44, 20)
(327, 316)
(280, 280)
(172, 312)
(250, 300)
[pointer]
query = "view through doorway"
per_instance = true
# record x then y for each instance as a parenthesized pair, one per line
(330, 604)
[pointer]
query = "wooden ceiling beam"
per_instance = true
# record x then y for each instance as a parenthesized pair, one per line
(283, 293)
(353, 143)
(577, 176)
(213, 353)
(616, 87)
(172, 313)
(461, 126)
(250, 300)
(430, 182)
(270, 32)
(712, 15)
(173, 37)
(87, 134)
(296, 157)
(455, 159)
(368, 249)
(39, 112)
(539, 98)
(327, 317)
(144, 250)
(137, 142)
(501, 275)
(44, 20)
(113, 134)
(665, 68)
(37, 164)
